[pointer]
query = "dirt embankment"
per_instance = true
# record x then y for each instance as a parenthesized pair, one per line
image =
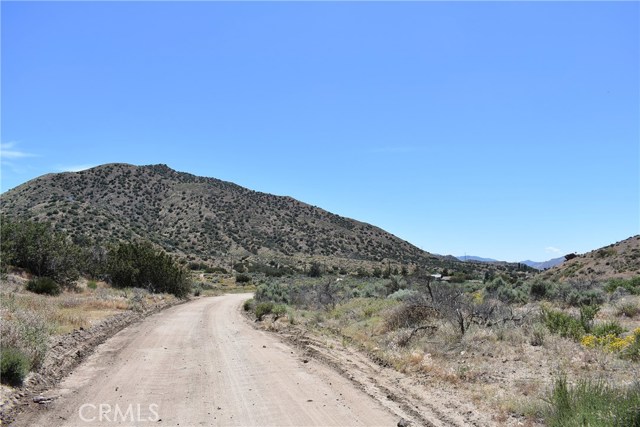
(65, 353)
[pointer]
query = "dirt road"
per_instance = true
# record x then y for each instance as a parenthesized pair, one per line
(202, 364)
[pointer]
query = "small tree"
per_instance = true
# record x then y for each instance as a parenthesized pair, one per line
(314, 270)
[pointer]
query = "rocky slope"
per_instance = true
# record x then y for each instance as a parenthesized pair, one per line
(199, 218)
(621, 259)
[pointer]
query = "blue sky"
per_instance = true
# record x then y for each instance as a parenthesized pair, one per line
(507, 129)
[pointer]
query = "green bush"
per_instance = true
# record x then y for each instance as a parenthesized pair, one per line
(279, 310)
(562, 323)
(315, 270)
(587, 314)
(632, 352)
(43, 285)
(243, 278)
(607, 328)
(39, 249)
(14, 366)
(538, 290)
(273, 291)
(630, 285)
(140, 265)
(263, 309)
(211, 270)
(628, 309)
(593, 403)
(248, 304)
(91, 284)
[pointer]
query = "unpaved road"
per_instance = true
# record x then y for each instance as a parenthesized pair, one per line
(202, 364)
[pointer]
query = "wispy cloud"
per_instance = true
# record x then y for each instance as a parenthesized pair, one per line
(552, 250)
(75, 168)
(8, 151)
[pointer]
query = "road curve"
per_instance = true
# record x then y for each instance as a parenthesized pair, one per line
(202, 364)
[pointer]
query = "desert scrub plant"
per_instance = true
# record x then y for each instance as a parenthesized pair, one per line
(607, 328)
(243, 278)
(628, 309)
(631, 285)
(91, 284)
(27, 331)
(279, 310)
(628, 347)
(402, 294)
(593, 403)
(568, 326)
(537, 335)
(14, 366)
(249, 304)
(43, 285)
(263, 308)
(632, 351)
(561, 323)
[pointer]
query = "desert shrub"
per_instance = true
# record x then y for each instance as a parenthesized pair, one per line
(243, 278)
(538, 290)
(578, 298)
(27, 331)
(408, 315)
(537, 335)
(279, 310)
(632, 351)
(495, 285)
(140, 265)
(511, 295)
(593, 403)
(628, 309)
(91, 284)
(612, 343)
(587, 314)
(248, 304)
(43, 285)
(263, 308)
(561, 323)
(607, 328)
(211, 270)
(631, 285)
(402, 294)
(274, 292)
(39, 249)
(14, 366)
(315, 270)
(373, 289)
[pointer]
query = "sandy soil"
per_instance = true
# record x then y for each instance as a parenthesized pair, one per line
(202, 363)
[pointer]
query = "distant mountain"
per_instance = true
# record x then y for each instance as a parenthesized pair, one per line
(621, 259)
(545, 264)
(533, 264)
(476, 258)
(203, 219)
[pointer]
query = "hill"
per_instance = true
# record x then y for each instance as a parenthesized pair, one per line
(200, 219)
(621, 259)
(475, 258)
(533, 264)
(544, 264)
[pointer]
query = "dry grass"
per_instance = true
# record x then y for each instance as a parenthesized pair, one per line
(507, 370)
(29, 320)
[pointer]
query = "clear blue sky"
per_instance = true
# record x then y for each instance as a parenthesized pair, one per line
(507, 129)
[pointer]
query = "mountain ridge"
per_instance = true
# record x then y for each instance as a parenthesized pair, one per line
(199, 217)
(543, 265)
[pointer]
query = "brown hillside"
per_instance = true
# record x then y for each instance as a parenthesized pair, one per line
(199, 218)
(620, 259)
